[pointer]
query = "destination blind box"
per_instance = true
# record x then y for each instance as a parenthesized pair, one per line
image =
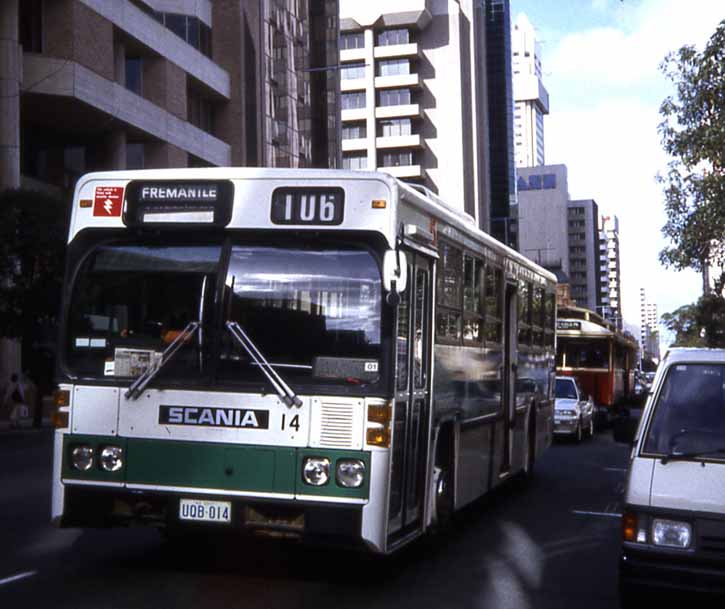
(173, 203)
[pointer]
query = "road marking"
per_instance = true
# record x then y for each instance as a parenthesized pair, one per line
(606, 514)
(614, 469)
(14, 578)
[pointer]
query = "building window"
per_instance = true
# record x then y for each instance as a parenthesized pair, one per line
(393, 67)
(354, 131)
(134, 155)
(352, 40)
(351, 71)
(402, 158)
(353, 100)
(134, 74)
(389, 37)
(190, 29)
(30, 25)
(394, 127)
(355, 160)
(394, 97)
(200, 111)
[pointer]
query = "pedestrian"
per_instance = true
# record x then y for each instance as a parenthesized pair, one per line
(14, 400)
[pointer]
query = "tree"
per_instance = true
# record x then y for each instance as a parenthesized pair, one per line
(701, 324)
(693, 132)
(32, 246)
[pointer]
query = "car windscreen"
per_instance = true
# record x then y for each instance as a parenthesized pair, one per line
(565, 389)
(315, 315)
(129, 302)
(689, 414)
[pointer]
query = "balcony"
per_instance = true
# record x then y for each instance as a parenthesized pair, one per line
(399, 141)
(149, 32)
(353, 84)
(86, 100)
(396, 81)
(347, 55)
(404, 111)
(403, 171)
(354, 145)
(354, 114)
(397, 50)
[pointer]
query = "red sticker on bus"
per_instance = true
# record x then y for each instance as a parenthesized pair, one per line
(108, 201)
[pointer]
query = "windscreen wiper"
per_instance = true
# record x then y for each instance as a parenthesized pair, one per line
(140, 383)
(284, 391)
(690, 455)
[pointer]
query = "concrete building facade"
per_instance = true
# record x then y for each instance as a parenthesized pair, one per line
(649, 327)
(531, 99)
(113, 84)
(414, 96)
(611, 269)
(543, 196)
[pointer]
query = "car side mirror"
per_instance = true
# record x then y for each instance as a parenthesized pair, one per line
(625, 429)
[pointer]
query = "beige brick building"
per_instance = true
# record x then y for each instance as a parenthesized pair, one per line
(101, 84)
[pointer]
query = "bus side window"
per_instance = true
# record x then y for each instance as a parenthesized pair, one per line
(493, 286)
(549, 310)
(448, 316)
(472, 305)
(524, 300)
(537, 316)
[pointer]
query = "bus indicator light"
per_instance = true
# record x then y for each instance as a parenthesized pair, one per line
(379, 204)
(84, 203)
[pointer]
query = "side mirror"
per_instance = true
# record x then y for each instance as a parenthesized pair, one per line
(625, 429)
(395, 271)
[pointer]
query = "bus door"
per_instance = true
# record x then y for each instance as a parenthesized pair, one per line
(510, 367)
(412, 398)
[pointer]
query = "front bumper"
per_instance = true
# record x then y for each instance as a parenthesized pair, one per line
(565, 426)
(107, 507)
(670, 570)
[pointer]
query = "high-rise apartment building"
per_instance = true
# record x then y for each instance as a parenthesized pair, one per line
(414, 97)
(531, 99)
(584, 254)
(113, 84)
(611, 268)
(649, 327)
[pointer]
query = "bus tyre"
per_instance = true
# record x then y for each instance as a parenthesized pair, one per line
(443, 498)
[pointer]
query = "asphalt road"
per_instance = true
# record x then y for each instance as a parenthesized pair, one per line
(550, 543)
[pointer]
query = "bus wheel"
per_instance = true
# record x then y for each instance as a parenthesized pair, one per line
(443, 498)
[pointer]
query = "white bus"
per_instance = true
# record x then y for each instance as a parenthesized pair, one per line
(327, 355)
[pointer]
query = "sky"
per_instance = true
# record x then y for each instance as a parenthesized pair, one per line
(600, 62)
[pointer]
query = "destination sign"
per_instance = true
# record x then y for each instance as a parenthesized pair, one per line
(177, 202)
(308, 206)
(567, 324)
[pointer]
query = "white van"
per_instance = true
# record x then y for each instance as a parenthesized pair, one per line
(673, 524)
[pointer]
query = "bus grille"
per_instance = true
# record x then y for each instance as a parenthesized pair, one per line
(337, 425)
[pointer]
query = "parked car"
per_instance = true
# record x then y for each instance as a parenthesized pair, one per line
(674, 515)
(573, 410)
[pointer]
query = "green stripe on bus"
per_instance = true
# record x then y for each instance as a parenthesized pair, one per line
(232, 467)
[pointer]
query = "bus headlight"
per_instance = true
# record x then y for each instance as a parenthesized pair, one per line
(112, 458)
(82, 458)
(350, 473)
(316, 471)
